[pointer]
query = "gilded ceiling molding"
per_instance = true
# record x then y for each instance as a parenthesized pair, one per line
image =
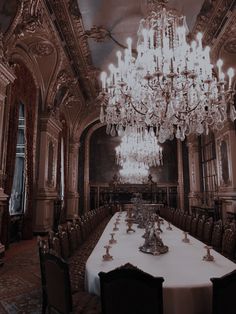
(71, 28)
(212, 18)
(31, 18)
(226, 40)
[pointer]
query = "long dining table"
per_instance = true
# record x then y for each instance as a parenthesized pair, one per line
(187, 288)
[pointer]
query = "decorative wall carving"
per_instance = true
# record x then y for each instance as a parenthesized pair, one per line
(223, 161)
(50, 176)
(64, 78)
(41, 48)
(230, 46)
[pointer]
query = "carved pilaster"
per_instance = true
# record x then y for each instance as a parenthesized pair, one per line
(226, 167)
(47, 174)
(72, 196)
(6, 77)
(180, 175)
(194, 171)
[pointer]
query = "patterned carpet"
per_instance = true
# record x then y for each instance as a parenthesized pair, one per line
(20, 286)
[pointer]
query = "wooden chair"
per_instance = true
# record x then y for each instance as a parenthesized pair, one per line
(188, 223)
(64, 242)
(129, 290)
(78, 233)
(56, 246)
(58, 288)
(193, 228)
(175, 217)
(183, 221)
(217, 234)
(43, 248)
(73, 242)
(200, 227)
(229, 242)
(207, 231)
(224, 301)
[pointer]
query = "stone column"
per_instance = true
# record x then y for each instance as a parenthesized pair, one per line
(86, 174)
(226, 167)
(180, 176)
(47, 193)
(194, 171)
(6, 77)
(72, 195)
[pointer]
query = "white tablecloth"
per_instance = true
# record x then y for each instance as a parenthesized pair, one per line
(187, 286)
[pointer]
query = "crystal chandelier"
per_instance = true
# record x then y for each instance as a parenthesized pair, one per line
(133, 172)
(169, 86)
(139, 147)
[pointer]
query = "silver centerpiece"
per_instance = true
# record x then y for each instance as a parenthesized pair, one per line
(153, 243)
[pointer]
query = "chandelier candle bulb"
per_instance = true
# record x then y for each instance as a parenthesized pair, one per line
(219, 65)
(230, 74)
(103, 79)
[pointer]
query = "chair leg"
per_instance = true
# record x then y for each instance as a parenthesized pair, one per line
(44, 302)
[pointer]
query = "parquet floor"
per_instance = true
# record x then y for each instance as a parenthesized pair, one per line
(20, 286)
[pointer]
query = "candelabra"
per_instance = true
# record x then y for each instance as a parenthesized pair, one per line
(169, 87)
(139, 147)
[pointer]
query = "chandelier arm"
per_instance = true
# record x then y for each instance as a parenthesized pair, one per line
(186, 112)
(158, 84)
(134, 51)
(143, 114)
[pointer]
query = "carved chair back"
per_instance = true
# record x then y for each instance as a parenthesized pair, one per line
(129, 290)
(65, 246)
(229, 242)
(207, 231)
(193, 228)
(217, 234)
(188, 223)
(200, 227)
(57, 284)
(223, 300)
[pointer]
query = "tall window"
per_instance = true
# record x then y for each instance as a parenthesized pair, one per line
(208, 168)
(17, 199)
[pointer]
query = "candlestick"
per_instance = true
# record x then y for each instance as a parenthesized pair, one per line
(169, 226)
(112, 240)
(107, 256)
(186, 239)
(208, 257)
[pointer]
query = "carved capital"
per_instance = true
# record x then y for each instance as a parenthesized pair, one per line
(73, 147)
(64, 78)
